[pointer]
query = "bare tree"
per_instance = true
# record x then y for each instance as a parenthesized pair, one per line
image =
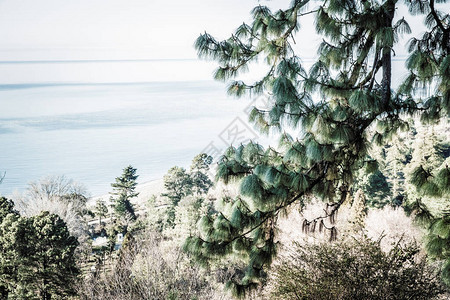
(58, 195)
(149, 268)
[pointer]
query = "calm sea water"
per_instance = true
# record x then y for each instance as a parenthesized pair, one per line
(89, 120)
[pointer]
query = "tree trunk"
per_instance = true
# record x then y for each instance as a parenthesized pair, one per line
(4, 293)
(386, 63)
(45, 294)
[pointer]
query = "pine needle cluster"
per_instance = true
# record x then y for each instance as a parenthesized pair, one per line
(338, 107)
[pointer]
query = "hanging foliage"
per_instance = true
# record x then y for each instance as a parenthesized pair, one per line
(343, 103)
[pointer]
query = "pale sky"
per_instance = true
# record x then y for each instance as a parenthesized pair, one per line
(132, 29)
(114, 29)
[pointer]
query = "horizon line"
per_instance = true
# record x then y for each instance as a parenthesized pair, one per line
(51, 61)
(45, 61)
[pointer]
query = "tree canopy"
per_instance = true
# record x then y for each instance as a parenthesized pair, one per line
(179, 184)
(123, 191)
(37, 255)
(201, 182)
(338, 108)
(101, 210)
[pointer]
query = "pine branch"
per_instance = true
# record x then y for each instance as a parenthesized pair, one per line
(439, 23)
(361, 58)
(445, 31)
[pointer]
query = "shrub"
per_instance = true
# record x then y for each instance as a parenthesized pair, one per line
(147, 268)
(357, 269)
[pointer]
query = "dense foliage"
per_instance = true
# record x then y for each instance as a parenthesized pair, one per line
(355, 141)
(101, 210)
(338, 107)
(354, 270)
(123, 192)
(201, 183)
(180, 183)
(150, 264)
(37, 255)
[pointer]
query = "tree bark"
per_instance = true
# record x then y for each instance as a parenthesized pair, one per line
(386, 63)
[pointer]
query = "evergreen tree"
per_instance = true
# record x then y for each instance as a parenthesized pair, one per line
(37, 256)
(155, 214)
(6, 208)
(123, 191)
(178, 184)
(388, 184)
(186, 216)
(101, 210)
(111, 233)
(424, 184)
(201, 183)
(339, 106)
(49, 266)
(438, 240)
(428, 191)
(358, 213)
(375, 185)
(396, 156)
(427, 159)
(8, 233)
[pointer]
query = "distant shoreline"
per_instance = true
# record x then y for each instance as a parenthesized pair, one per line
(18, 86)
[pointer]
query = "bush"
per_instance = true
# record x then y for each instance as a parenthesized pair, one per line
(147, 268)
(353, 270)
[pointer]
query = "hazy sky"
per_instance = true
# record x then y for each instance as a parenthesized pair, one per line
(84, 29)
(123, 29)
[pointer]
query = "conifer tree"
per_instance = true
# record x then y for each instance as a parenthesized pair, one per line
(8, 265)
(155, 216)
(428, 192)
(101, 210)
(375, 185)
(358, 213)
(397, 155)
(187, 213)
(178, 184)
(123, 191)
(6, 208)
(438, 240)
(201, 183)
(342, 104)
(48, 266)
(111, 233)
(37, 256)
(427, 159)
